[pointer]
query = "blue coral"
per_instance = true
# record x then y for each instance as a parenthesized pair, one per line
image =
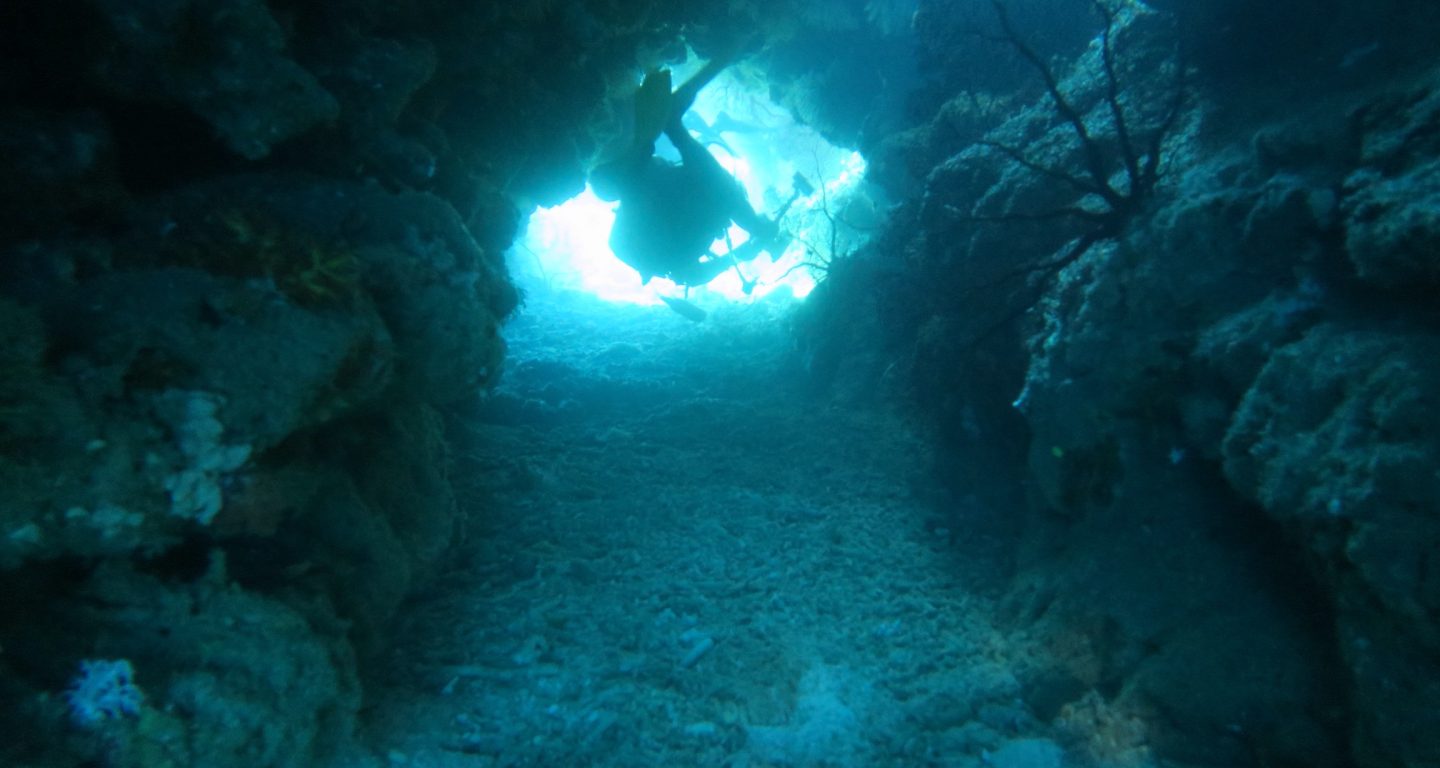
(103, 690)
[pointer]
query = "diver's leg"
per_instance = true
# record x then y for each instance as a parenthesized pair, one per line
(693, 154)
(652, 110)
(684, 97)
(695, 157)
(691, 151)
(727, 193)
(709, 174)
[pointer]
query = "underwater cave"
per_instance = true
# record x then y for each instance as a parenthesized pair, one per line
(799, 384)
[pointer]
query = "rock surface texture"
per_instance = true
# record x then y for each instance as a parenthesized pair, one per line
(1217, 410)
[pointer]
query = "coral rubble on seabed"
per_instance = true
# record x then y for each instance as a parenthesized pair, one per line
(691, 561)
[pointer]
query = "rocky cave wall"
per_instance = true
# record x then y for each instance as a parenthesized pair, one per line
(250, 252)
(1214, 403)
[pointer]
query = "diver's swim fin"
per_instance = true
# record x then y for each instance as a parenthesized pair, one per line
(684, 308)
(652, 108)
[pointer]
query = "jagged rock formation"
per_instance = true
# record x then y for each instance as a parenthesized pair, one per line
(250, 250)
(1218, 415)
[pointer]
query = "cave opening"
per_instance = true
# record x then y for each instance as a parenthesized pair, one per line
(790, 173)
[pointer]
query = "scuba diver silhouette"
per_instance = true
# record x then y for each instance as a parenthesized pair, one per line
(670, 214)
